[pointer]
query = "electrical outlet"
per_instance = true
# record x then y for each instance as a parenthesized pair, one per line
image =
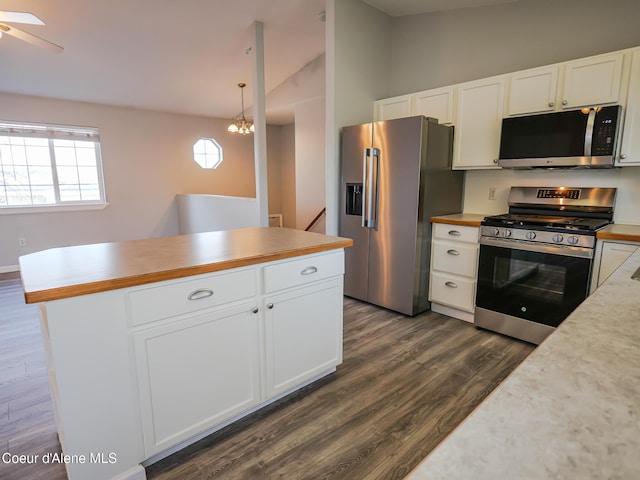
(22, 242)
(492, 193)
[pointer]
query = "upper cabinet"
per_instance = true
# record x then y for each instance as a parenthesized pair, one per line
(592, 81)
(390, 108)
(437, 103)
(476, 108)
(585, 82)
(532, 91)
(478, 122)
(630, 150)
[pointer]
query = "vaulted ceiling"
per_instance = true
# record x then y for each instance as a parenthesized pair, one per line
(184, 57)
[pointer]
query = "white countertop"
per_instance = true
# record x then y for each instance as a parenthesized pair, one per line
(571, 410)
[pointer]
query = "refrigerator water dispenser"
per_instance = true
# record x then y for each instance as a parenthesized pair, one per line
(354, 199)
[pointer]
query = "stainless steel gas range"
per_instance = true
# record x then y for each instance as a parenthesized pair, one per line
(535, 262)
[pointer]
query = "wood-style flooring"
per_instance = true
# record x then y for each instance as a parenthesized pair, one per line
(405, 383)
(27, 426)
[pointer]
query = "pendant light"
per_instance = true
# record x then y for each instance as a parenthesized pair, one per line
(241, 124)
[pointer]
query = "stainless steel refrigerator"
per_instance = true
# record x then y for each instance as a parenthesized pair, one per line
(396, 174)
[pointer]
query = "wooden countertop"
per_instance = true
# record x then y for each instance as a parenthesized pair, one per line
(71, 271)
(468, 219)
(615, 231)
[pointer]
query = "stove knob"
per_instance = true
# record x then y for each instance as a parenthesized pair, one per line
(531, 235)
(506, 233)
(494, 231)
(573, 240)
(557, 238)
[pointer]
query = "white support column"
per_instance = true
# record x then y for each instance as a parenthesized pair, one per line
(259, 120)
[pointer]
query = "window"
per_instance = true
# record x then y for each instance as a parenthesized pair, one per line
(207, 153)
(44, 165)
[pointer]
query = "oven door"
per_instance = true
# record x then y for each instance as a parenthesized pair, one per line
(539, 283)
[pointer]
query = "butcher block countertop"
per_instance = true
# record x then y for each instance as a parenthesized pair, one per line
(617, 231)
(467, 219)
(71, 271)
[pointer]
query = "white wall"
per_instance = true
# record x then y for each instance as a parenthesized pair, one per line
(438, 49)
(626, 180)
(288, 175)
(358, 59)
(207, 213)
(310, 157)
(147, 159)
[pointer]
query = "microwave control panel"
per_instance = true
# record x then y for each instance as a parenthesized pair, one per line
(604, 131)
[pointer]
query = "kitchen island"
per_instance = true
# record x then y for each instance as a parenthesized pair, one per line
(570, 410)
(153, 344)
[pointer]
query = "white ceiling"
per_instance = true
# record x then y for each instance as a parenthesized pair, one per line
(177, 56)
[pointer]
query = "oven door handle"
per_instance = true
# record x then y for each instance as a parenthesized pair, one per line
(579, 252)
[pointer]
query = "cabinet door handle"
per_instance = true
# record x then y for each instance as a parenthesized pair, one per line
(200, 294)
(451, 284)
(270, 306)
(453, 252)
(254, 310)
(309, 270)
(564, 102)
(454, 233)
(551, 104)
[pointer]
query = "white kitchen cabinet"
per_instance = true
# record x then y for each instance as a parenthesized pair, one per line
(630, 148)
(303, 334)
(454, 265)
(197, 372)
(478, 124)
(585, 82)
(390, 108)
(532, 91)
(592, 81)
(437, 103)
(609, 256)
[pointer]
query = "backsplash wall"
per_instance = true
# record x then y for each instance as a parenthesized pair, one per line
(626, 180)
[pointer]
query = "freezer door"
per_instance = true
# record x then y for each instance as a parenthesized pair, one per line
(356, 145)
(393, 248)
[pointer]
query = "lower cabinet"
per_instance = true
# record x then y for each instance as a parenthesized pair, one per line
(608, 257)
(303, 335)
(454, 264)
(197, 372)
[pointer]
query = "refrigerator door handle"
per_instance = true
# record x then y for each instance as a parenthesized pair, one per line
(365, 188)
(374, 174)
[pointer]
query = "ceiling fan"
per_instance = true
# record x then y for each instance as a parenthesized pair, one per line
(27, 18)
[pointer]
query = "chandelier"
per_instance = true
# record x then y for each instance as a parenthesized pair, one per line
(241, 124)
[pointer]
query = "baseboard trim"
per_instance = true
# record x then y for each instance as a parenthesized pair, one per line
(9, 268)
(452, 312)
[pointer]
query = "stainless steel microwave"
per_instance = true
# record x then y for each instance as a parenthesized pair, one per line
(585, 138)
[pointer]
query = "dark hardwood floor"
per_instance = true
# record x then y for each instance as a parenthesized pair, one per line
(27, 426)
(405, 383)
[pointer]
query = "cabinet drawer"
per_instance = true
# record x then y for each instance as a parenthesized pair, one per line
(453, 291)
(458, 233)
(303, 270)
(178, 297)
(455, 257)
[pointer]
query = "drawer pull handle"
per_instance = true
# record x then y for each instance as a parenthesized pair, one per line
(453, 252)
(454, 233)
(451, 284)
(309, 271)
(200, 294)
